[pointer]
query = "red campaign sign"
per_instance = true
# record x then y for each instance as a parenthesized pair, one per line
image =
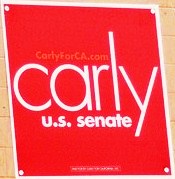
(87, 90)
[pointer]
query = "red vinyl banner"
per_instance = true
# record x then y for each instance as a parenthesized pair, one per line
(87, 90)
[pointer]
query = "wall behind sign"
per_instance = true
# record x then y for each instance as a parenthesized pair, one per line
(167, 11)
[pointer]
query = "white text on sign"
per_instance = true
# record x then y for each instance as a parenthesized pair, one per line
(87, 101)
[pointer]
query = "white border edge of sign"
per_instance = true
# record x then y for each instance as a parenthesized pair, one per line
(87, 4)
(9, 89)
(166, 106)
(79, 4)
(101, 177)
